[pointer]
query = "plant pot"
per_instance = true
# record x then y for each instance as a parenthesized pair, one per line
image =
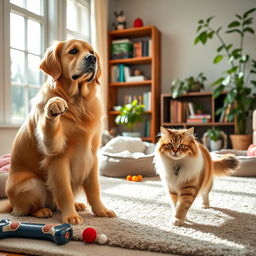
(215, 145)
(240, 141)
(131, 134)
(196, 87)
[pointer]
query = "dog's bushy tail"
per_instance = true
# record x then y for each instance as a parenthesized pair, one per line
(5, 206)
(225, 165)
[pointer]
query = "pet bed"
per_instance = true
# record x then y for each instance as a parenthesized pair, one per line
(247, 163)
(124, 156)
(5, 162)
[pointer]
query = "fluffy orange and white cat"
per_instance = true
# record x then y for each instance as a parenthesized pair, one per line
(186, 169)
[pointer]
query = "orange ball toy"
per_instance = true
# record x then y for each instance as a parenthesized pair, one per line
(140, 177)
(129, 177)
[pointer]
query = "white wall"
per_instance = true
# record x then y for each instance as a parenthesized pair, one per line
(177, 21)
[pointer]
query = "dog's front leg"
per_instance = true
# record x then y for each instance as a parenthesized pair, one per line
(59, 184)
(92, 190)
(49, 130)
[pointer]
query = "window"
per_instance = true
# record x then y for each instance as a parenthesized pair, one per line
(26, 21)
(78, 19)
(23, 33)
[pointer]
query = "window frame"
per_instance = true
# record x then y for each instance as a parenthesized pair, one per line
(8, 8)
(53, 29)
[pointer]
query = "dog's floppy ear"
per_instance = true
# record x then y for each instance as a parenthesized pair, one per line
(97, 77)
(51, 64)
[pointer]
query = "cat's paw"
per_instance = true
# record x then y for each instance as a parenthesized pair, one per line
(177, 222)
(205, 206)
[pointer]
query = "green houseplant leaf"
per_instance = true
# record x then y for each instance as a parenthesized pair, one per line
(238, 77)
(234, 24)
(180, 87)
(214, 134)
(130, 114)
(218, 59)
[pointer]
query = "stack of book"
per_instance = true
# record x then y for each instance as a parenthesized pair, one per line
(125, 48)
(202, 118)
(182, 111)
(142, 48)
(178, 111)
(121, 49)
(122, 73)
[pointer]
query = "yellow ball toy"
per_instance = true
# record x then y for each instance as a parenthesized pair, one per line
(135, 178)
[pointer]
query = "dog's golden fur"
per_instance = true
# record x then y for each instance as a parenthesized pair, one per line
(55, 151)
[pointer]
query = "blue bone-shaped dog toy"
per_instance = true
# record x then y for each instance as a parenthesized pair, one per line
(58, 233)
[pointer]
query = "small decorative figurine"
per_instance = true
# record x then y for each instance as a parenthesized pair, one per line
(120, 22)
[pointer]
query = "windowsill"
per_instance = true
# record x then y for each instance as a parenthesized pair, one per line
(9, 126)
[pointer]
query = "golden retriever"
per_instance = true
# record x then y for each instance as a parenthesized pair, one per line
(55, 151)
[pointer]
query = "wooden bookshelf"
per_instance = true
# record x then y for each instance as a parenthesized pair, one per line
(150, 63)
(209, 104)
(141, 83)
(117, 112)
(134, 61)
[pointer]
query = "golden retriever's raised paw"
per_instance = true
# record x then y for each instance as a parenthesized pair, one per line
(55, 106)
(42, 213)
(80, 206)
(74, 220)
(103, 212)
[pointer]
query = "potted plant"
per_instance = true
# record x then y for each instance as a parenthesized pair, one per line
(190, 84)
(214, 136)
(239, 78)
(130, 114)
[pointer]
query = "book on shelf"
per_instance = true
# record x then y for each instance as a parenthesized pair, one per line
(147, 101)
(147, 128)
(125, 48)
(135, 79)
(191, 108)
(122, 73)
(178, 111)
(142, 48)
(200, 116)
(182, 111)
(121, 49)
(199, 120)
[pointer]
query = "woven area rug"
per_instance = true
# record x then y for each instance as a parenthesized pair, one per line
(144, 220)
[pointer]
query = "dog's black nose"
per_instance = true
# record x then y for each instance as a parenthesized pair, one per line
(90, 59)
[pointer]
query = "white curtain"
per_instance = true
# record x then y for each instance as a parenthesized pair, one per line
(99, 28)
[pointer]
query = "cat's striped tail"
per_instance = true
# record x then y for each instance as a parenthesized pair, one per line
(225, 165)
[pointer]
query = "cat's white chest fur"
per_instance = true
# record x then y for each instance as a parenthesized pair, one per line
(176, 172)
